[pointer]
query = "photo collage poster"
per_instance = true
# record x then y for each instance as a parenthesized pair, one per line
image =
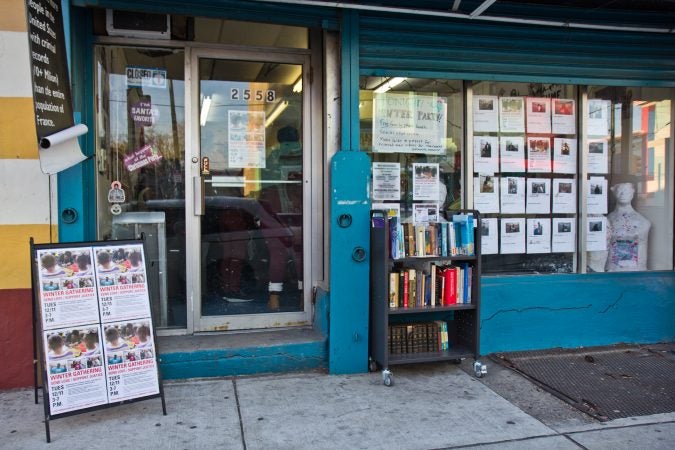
(96, 325)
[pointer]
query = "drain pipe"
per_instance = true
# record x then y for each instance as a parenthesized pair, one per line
(454, 15)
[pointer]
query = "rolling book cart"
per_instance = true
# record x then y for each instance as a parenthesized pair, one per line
(416, 317)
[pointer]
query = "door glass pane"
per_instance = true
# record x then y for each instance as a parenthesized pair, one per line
(140, 143)
(251, 234)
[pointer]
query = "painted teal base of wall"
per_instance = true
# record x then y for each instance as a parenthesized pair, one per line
(568, 311)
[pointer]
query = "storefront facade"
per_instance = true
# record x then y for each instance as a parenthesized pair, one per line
(232, 129)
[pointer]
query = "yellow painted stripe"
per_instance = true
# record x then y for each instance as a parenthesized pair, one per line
(15, 273)
(13, 17)
(18, 138)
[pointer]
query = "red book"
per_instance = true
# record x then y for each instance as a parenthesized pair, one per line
(405, 288)
(450, 294)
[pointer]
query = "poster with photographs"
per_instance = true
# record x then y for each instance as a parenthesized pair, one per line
(598, 117)
(489, 236)
(564, 196)
(130, 361)
(425, 213)
(538, 236)
(485, 114)
(538, 154)
(246, 139)
(597, 156)
(512, 154)
(122, 282)
(596, 234)
(564, 155)
(563, 120)
(538, 196)
(512, 235)
(511, 114)
(74, 367)
(66, 287)
(512, 195)
(425, 181)
(564, 235)
(596, 195)
(485, 154)
(538, 115)
(486, 194)
(387, 181)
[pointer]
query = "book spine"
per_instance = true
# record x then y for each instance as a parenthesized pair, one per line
(393, 289)
(406, 291)
(412, 288)
(393, 238)
(432, 287)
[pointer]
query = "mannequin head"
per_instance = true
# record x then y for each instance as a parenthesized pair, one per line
(624, 193)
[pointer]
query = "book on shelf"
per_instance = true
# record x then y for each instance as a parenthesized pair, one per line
(406, 288)
(423, 337)
(445, 239)
(464, 233)
(393, 289)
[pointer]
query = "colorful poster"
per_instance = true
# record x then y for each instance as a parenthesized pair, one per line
(485, 154)
(564, 116)
(387, 181)
(142, 157)
(564, 196)
(564, 155)
(596, 195)
(512, 154)
(538, 196)
(409, 123)
(74, 367)
(598, 160)
(485, 114)
(67, 287)
(122, 283)
(425, 181)
(246, 139)
(538, 154)
(512, 235)
(489, 236)
(596, 234)
(598, 117)
(538, 115)
(486, 194)
(511, 114)
(563, 235)
(512, 195)
(538, 236)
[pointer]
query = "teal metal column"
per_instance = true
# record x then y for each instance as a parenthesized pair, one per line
(349, 81)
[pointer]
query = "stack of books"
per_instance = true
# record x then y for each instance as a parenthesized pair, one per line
(441, 285)
(418, 337)
(444, 239)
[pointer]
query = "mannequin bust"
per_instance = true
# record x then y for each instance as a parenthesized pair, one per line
(629, 231)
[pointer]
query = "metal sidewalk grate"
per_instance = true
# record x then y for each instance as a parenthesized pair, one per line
(605, 382)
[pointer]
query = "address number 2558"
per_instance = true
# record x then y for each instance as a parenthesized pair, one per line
(249, 95)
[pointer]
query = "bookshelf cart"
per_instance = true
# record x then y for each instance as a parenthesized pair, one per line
(462, 319)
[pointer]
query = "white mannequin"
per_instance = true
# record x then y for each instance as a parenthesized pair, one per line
(629, 231)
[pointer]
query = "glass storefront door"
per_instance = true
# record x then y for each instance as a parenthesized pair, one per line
(247, 160)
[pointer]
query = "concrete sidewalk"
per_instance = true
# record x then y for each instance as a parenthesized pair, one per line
(429, 407)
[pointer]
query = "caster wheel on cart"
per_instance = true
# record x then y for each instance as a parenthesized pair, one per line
(387, 378)
(479, 369)
(372, 365)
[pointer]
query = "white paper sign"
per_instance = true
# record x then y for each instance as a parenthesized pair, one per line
(598, 117)
(596, 195)
(425, 213)
(564, 196)
(486, 194)
(564, 155)
(597, 156)
(512, 154)
(538, 115)
(387, 181)
(485, 154)
(485, 113)
(538, 236)
(512, 195)
(61, 150)
(425, 181)
(511, 114)
(564, 116)
(538, 196)
(489, 237)
(512, 235)
(246, 139)
(538, 154)
(596, 234)
(564, 235)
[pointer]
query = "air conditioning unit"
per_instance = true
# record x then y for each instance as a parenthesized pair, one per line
(138, 24)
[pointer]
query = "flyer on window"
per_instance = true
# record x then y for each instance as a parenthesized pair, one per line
(485, 114)
(564, 196)
(538, 196)
(387, 181)
(489, 236)
(512, 154)
(564, 155)
(538, 154)
(485, 154)
(425, 213)
(538, 236)
(122, 282)
(511, 115)
(74, 366)
(246, 139)
(538, 115)
(564, 235)
(512, 195)
(598, 161)
(391, 209)
(596, 234)
(130, 359)
(67, 287)
(486, 194)
(596, 195)
(598, 117)
(425, 181)
(564, 116)
(512, 235)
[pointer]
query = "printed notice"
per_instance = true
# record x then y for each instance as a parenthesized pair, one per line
(413, 123)
(538, 236)
(538, 154)
(512, 236)
(486, 194)
(596, 235)
(511, 115)
(67, 287)
(485, 114)
(538, 196)
(74, 360)
(512, 194)
(512, 154)
(485, 154)
(564, 116)
(596, 195)
(246, 139)
(564, 155)
(564, 235)
(538, 115)
(598, 117)
(122, 282)
(425, 213)
(564, 196)
(489, 239)
(425, 181)
(386, 181)
(597, 156)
